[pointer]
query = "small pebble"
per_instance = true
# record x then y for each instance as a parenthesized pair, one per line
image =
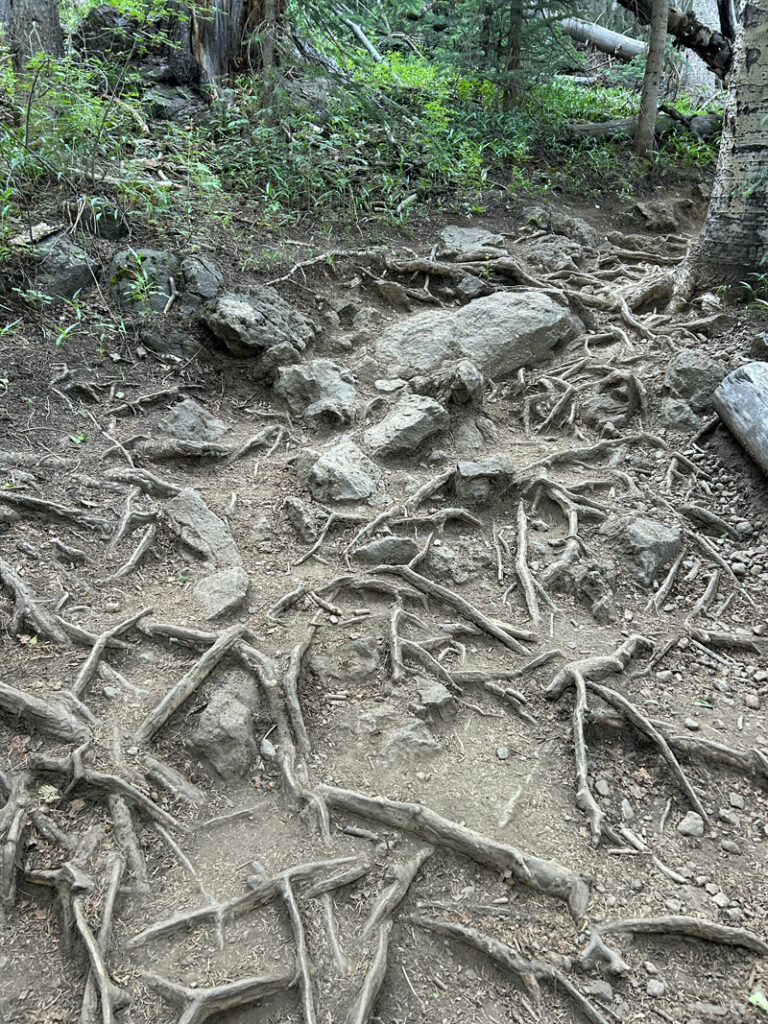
(602, 787)
(502, 753)
(730, 847)
(110, 691)
(692, 724)
(721, 900)
(728, 816)
(650, 968)
(626, 810)
(267, 750)
(752, 701)
(673, 906)
(655, 988)
(712, 888)
(736, 800)
(664, 677)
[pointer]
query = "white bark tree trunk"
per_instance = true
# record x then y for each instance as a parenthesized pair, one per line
(654, 65)
(734, 240)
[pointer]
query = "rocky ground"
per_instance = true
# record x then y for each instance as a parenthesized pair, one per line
(384, 640)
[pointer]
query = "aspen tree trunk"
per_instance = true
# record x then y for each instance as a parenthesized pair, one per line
(734, 240)
(654, 65)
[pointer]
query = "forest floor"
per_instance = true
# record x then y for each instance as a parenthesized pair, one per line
(393, 832)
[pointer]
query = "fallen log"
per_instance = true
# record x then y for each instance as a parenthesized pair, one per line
(603, 39)
(741, 402)
(686, 29)
(612, 129)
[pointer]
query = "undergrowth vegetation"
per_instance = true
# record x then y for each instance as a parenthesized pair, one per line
(375, 142)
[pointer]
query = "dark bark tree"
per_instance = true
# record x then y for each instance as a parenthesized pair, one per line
(31, 26)
(734, 240)
(512, 63)
(686, 29)
(654, 65)
(219, 38)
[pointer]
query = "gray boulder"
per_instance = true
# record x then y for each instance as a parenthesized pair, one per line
(388, 551)
(471, 287)
(469, 239)
(692, 825)
(499, 333)
(170, 102)
(648, 545)
(221, 593)
(318, 390)
(201, 281)
(63, 268)
(98, 216)
(414, 419)
(476, 482)
(555, 252)
(354, 662)
(301, 519)
(224, 736)
(678, 415)
(577, 228)
(189, 421)
(257, 322)
(694, 376)
(434, 700)
(139, 279)
(201, 529)
(344, 473)
(412, 742)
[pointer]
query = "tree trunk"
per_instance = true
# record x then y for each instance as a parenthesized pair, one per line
(220, 38)
(734, 240)
(32, 26)
(512, 65)
(713, 48)
(654, 65)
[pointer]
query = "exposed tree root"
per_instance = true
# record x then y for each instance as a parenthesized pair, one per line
(528, 972)
(453, 600)
(27, 608)
(55, 511)
(201, 1003)
(303, 969)
(89, 1009)
(263, 889)
(346, 518)
(391, 898)
(145, 543)
(147, 482)
(545, 876)
(581, 675)
(53, 719)
(13, 817)
(362, 1008)
(290, 687)
(690, 927)
(89, 667)
(110, 996)
(751, 762)
(73, 768)
(187, 685)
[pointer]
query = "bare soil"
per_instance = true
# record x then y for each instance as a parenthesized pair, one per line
(72, 414)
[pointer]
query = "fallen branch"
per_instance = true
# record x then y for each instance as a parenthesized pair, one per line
(362, 1008)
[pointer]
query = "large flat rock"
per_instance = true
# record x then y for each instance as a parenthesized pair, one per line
(500, 333)
(201, 529)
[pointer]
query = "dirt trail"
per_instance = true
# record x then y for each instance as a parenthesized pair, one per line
(396, 781)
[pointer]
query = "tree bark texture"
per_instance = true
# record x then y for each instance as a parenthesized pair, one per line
(654, 65)
(686, 29)
(32, 26)
(220, 38)
(512, 63)
(734, 240)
